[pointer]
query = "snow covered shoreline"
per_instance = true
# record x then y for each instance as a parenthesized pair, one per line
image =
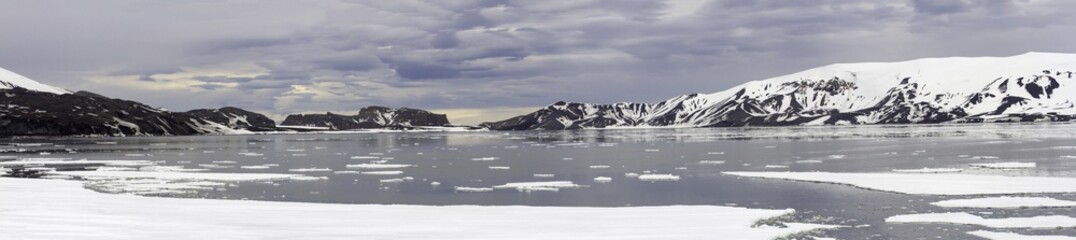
(60, 209)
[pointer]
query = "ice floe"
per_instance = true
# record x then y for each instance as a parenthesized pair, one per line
(929, 184)
(472, 189)
(485, 158)
(658, 177)
(929, 170)
(1054, 221)
(378, 166)
(500, 167)
(1005, 165)
(603, 179)
(711, 162)
(992, 235)
(552, 186)
(310, 170)
(382, 173)
(1005, 202)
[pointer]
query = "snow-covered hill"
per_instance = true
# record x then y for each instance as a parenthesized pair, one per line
(1026, 87)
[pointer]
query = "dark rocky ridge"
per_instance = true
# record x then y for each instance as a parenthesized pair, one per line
(30, 113)
(368, 118)
(236, 118)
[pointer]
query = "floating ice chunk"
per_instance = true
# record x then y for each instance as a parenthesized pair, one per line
(1006, 165)
(603, 179)
(567, 159)
(658, 177)
(544, 175)
(256, 167)
(1053, 221)
(295, 150)
(715, 153)
(651, 150)
(224, 162)
(809, 161)
(538, 186)
(1005, 202)
(631, 175)
(116, 169)
(105, 143)
(396, 180)
(499, 167)
(365, 157)
(485, 158)
(435, 184)
(776, 166)
(930, 184)
(712, 162)
(251, 154)
(472, 189)
(378, 166)
(310, 170)
(599, 166)
(929, 170)
(1069, 157)
(170, 169)
(382, 173)
(1013, 236)
(308, 178)
(983, 157)
(214, 166)
(135, 155)
(837, 156)
(346, 172)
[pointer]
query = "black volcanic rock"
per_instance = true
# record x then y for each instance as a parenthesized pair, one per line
(369, 117)
(24, 112)
(235, 118)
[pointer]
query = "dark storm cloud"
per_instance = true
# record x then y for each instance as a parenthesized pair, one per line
(285, 56)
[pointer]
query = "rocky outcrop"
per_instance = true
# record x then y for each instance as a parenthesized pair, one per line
(235, 118)
(369, 118)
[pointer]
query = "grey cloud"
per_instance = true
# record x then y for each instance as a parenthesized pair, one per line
(492, 53)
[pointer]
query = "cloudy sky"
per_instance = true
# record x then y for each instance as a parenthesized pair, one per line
(486, 60)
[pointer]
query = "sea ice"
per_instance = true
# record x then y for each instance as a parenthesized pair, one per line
(378, 166)
(1005, 165)
(658, 177)
(929, 184)
(1013, 236)
(1053, 221)
(929, 170)
(1005, 202)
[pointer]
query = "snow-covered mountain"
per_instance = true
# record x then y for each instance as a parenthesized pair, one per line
(10, 80)
(369, 117)
(1026, 87)
(28, 107)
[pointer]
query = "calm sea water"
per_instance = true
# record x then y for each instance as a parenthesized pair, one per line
(465, 160)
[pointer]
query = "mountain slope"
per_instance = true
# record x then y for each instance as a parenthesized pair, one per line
(369, 117)
(28, 107)
(1027, 87)
(10, 80)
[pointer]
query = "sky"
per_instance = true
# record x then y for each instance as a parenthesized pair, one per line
(486, 60)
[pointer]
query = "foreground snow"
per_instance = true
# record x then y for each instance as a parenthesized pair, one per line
(1005, 202)
(929, 184)
(1054, 221)
(58, 209)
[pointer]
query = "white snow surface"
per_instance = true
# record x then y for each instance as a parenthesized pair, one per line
(9, 79)
(1052, 221)
(58, 209)
(178, 176)
(1013, 236)
(929, 184)
(1005, 202)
